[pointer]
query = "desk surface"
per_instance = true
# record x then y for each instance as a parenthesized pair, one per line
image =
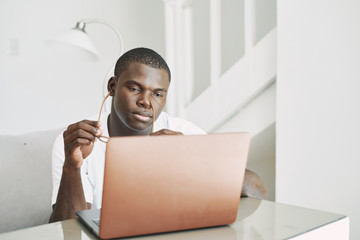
(256, 220)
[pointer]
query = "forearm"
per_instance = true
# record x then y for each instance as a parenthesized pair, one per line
(70, 198)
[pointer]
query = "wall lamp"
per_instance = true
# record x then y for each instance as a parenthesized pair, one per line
(82, 46)
(79, 38)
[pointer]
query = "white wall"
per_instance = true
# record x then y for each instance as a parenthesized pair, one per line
(40, 90)
(258, 118)
(318, 106)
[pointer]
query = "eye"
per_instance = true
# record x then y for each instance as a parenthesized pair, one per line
(134, 89)
(158, 94)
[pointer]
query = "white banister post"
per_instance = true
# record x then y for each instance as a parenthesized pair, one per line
(174, 41)
(249, 24)
(188, 54)
(215, 40)
(215, 49)
(249, 30)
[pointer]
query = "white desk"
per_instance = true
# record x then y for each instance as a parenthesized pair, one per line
(256, 220)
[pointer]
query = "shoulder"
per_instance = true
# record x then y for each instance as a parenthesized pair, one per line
(165, 121)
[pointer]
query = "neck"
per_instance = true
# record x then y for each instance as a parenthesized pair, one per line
(117, 128)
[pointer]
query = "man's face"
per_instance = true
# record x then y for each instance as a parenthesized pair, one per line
(133, 91)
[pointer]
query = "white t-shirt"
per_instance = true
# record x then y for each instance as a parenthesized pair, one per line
(92, 170)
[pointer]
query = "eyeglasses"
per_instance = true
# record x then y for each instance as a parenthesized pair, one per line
(102, 138)
(105, 139)
(153, 117)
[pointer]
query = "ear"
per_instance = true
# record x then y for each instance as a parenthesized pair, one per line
(111, 86)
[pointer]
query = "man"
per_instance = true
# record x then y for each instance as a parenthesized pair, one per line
(139, 86)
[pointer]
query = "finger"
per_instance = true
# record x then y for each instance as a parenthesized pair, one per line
(79, 134)
(78, 142)
(87, 125)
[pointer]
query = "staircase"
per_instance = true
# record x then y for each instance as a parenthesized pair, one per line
(239, 98)
(228, 93)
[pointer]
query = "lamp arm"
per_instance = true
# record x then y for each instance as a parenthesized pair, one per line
(83, 22)
(81, 25)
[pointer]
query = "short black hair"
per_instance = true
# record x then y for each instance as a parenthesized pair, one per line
(140, 55)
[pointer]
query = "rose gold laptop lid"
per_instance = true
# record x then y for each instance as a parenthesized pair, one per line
(169, 183)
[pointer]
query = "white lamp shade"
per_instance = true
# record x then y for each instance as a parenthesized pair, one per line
(78, 44)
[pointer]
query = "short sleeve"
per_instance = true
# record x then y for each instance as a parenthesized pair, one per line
(165, 121)
(188, 128)
(184, 126)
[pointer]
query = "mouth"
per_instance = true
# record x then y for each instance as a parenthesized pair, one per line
(142, 116)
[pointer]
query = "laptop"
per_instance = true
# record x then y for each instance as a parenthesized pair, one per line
(169, 183)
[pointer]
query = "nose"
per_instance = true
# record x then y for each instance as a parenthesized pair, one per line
(144, 100)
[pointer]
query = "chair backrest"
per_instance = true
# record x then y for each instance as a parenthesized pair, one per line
(25, 179)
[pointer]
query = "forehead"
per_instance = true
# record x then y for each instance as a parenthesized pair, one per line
(146, 75)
